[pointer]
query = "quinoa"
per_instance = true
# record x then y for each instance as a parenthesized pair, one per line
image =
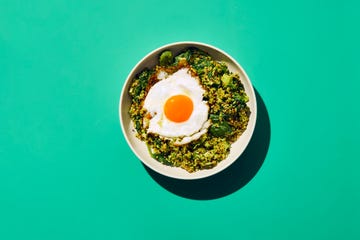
(228, 111)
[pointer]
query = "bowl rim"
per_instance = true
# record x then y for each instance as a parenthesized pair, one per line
(250, 91)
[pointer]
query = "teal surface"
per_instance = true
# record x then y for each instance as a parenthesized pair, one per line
(66, 171)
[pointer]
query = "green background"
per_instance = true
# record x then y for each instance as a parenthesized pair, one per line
(66, 171)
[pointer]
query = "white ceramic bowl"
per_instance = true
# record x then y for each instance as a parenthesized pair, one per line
(140, 149)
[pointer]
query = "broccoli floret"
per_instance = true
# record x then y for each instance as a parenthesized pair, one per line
(226, 79)
(166, 58)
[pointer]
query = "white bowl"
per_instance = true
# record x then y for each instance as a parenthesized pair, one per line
(140, 149)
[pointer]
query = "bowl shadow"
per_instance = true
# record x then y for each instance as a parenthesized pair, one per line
(232, 178)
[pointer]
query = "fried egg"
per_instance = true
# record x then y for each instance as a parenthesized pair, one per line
(176, 108)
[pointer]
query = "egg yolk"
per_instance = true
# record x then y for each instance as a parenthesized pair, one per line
(178, 108)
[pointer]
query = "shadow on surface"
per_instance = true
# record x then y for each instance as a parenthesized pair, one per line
(235, 176)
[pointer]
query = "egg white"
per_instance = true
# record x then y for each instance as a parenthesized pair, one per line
(180, 82)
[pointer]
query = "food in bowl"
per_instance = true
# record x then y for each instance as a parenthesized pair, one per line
(188, 109)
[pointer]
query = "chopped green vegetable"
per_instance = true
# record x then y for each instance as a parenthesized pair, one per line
(221, 129)
(214, 117)
(185, 56)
